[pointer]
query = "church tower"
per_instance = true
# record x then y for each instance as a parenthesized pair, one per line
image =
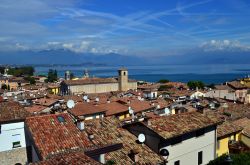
(123, 79)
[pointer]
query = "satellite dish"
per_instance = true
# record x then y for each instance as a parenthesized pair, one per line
(70, 104)
(130, 110)
(141, 138)
(85, 98)
(158, 107)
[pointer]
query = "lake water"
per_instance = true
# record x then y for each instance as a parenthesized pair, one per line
(183, 73)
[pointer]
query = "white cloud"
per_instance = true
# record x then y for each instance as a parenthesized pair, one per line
(224, 45)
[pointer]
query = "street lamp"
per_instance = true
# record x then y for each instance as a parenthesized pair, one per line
(164, 153)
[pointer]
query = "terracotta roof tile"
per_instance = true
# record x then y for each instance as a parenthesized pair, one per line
(245, 124)
(114, 108)
(53, 137)
(82, 109)
(227, 128)
(35, 108)
(46, 101)
(12, 111)
(74, 158)
(139, 106)
(108, 130)
(174, 125)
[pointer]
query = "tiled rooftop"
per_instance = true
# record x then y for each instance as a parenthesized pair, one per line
(139, 106)
(35, 108)
(222, 87)
(12, 111)
(74, 158)
(113, 108)
(46, 101)
(53, 137)
(82, 109)
(227, 128)
(245, 124)
(236, 85)
(174, 125)
(109, 131)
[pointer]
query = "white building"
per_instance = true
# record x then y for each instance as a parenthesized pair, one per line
(223, 92)
(150, 94)
(186, 136)
(12, 142)
(197, 95)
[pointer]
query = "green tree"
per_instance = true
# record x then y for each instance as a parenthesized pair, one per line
(165, 87)
(238, 159)
(52, 75)
(31, 80)
(2, 69)
(163, 81)
(194, 84)
(4, 87)
(22, 71)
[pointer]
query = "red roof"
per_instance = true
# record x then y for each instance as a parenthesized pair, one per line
(53, 137)
(114, 108)
(35, 108)
(174, 125)
(75, 158)
(82, 109)
(139, 106)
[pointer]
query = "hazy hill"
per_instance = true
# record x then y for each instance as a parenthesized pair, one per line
(61, 56)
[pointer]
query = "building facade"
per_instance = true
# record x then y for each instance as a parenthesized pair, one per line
(13, 144)
(98, 85)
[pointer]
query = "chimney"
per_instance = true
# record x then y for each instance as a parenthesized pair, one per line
(80, 124)
(149, 122)
(134, 155)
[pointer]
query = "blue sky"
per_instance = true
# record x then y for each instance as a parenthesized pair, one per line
(129, 27)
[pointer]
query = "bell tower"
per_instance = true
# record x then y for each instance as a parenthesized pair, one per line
(123, 79)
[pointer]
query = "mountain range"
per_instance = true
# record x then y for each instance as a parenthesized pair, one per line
(62, 56)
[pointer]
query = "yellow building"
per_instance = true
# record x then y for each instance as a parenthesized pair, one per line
(246, 82)
(54, 88)
(245, 134)
(227, 132)
(14, 82)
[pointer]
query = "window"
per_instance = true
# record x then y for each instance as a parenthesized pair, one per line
(200, 132)
(177, 162)
(124, 73)
(16, 144)
(176, 140)
(200, 158)
(61, 119)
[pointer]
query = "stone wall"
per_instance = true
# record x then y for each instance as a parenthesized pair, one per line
(11, 157)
